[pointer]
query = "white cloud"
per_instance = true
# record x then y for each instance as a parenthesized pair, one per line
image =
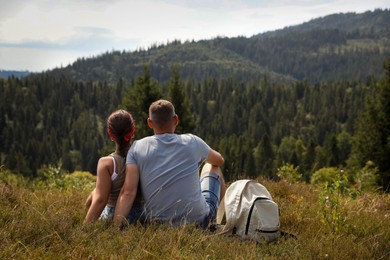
(35, 59)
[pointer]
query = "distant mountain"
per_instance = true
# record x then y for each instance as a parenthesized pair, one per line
(347, 46)
(197, 60)
(336, 47)
(10, 73)
(371, 22)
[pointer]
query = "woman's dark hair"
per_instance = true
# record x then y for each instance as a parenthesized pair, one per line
(120, 127)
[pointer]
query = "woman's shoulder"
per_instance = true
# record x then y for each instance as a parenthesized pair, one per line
(106, 160)
(105, 165)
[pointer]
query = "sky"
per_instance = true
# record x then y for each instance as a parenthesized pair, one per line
(39, 35)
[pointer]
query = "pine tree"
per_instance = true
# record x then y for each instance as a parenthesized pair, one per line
(138, 99)
(181, 103)
(372, 137)
(264, 157)
(308, 161)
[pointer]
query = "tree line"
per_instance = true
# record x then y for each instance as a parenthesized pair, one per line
(258, 125)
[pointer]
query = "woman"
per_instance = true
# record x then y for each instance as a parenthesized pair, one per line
(111, 171)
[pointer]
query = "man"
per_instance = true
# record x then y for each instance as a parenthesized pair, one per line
(167, 166)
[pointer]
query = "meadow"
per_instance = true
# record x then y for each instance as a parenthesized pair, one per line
(43, 220)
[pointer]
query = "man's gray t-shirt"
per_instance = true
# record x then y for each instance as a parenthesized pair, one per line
(169, 175)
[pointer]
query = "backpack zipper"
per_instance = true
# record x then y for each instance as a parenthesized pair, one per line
(250, 213)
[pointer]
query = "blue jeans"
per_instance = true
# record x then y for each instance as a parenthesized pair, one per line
(210, 185)
(132, 217)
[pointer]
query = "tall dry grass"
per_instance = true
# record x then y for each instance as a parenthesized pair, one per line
(47, 224)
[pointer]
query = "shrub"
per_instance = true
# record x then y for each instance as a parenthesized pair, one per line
(80, 180)
(12, 179)
(53, 176)
(367, 178)
(325, 175)
(332, 215)
(289, 173)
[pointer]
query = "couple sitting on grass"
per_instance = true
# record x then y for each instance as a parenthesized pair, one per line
(165, 167)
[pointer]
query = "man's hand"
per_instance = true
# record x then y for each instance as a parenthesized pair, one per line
(127, 195)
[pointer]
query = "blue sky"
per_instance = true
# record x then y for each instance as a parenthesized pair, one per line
(38, 35)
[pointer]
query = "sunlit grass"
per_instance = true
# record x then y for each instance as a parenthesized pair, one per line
(47, 223)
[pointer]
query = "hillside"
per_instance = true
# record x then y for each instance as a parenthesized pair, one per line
(334, 47)
(197, 60)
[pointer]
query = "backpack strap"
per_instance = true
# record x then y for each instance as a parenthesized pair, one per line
(287, 235)
(221, 211)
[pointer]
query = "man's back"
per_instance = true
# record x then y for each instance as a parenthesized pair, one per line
(169, 176)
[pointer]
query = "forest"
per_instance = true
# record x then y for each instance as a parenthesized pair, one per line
(257, 126)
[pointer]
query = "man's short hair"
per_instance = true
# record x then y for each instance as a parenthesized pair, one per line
(161, 112)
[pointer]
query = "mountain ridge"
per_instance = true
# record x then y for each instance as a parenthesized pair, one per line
(343, 46)
(323, 50)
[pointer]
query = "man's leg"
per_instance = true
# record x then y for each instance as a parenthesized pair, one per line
(207, 168)
(213, 189)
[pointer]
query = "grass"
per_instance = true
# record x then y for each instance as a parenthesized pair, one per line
(47, 224)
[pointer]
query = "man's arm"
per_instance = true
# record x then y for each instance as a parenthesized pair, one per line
(127, 195)
(215, 158)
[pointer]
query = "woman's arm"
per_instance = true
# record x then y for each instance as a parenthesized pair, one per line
(100, 194)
